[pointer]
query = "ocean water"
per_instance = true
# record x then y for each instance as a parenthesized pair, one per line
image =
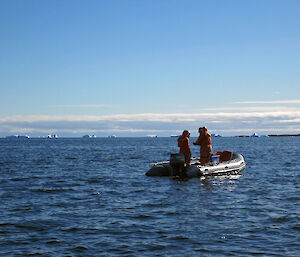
(90, 197)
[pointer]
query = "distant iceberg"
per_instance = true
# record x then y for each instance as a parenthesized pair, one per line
(18, 137)
(52, 136)
(12, 137)
(89, 136)
(216, 135)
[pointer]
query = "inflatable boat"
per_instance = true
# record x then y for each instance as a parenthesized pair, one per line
(225, 163)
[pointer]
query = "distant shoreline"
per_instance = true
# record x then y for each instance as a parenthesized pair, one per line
(285, 135)
(274, 135)
(172, 136)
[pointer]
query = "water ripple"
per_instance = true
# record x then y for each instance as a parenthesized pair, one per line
(75, 197)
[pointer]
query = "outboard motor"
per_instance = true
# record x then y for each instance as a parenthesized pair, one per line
(177, 162)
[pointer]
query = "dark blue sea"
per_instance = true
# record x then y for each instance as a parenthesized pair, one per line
(90, 197)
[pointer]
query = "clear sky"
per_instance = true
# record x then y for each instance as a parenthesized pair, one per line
(143, 67)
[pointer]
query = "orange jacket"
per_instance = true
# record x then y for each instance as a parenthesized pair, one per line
(184, 143)
(204, 140)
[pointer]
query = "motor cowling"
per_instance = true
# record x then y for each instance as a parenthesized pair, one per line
(177, 162)
(177, 159)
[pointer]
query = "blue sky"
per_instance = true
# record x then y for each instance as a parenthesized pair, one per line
(135, 68)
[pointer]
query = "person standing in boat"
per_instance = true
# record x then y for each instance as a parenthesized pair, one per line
(204, 140)
(184, 145)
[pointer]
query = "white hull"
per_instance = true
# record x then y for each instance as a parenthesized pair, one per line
(233, 166)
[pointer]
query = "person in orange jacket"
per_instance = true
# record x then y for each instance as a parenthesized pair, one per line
(204, 140)
(184, 145)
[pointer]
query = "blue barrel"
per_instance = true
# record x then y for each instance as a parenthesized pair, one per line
(214, 158)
